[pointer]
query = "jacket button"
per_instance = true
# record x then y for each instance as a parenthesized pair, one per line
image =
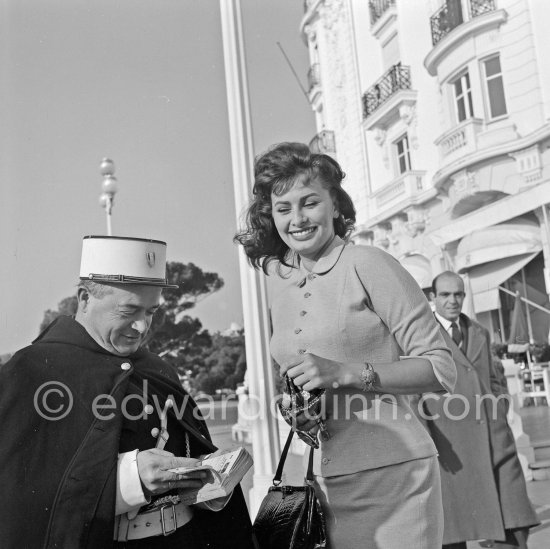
(125, 365)
(297, 330)
(307, 294)
(148, 409)
(325, 461)
(155, 432)
(303, 313)
(301, 351)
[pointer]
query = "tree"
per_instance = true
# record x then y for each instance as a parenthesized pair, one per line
(225, 365)
(66, 306)
(171, 332)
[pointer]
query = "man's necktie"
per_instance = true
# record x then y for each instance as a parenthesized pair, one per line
(456, 334)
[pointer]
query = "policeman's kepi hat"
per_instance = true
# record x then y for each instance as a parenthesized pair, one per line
(124, 260)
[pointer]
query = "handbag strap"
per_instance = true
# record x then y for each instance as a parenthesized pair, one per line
(277, 479)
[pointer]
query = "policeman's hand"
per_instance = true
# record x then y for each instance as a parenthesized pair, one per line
(153, 471)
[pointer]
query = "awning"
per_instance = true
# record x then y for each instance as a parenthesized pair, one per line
(512, 238)
(485, 279)
(419, 268)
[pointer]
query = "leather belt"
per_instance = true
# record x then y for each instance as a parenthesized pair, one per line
(164, 520)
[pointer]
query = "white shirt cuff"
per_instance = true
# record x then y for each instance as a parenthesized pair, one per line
(129, 493)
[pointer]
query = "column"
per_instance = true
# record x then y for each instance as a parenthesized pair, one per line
(265, 443)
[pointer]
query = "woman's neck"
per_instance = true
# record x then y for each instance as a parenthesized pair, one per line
(309, 262)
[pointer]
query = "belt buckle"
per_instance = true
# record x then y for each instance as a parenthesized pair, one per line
(163, 520)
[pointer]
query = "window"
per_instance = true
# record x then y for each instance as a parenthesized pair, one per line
(403, 156)
(495, 87)
(463, 97)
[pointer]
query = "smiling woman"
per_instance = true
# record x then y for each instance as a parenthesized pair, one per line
(356, 327)
(301, 196)
(304, 218)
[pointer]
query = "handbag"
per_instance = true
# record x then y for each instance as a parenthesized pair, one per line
(296, 401)
(290, 517)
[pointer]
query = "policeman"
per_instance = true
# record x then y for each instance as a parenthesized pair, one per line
(92, 423)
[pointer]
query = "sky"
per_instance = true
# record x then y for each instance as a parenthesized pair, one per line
(141, 82)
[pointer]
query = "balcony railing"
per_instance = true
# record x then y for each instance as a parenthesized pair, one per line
(405, 187)
(459, 141)
(479, 7)
(314, 76)
(377, 8)
(323, 143)
(450, 16)
(444, 20)
(397, 78)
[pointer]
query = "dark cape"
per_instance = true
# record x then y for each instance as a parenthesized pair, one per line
(59, 475)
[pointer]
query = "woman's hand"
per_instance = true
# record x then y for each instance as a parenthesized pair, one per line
(315, 372)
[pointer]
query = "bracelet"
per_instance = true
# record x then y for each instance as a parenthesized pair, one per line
(369, 378)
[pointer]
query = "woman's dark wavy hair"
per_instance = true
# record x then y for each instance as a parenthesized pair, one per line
(275, 172)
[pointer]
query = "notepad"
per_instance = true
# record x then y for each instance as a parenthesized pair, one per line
(225, 471)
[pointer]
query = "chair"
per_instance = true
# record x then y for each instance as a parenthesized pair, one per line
(535, 383)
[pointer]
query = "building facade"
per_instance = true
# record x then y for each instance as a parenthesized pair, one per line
(439, 112)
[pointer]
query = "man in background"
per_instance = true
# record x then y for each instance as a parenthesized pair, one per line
(483, 487)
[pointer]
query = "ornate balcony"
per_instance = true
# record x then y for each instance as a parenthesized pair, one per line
(323, 143)
(450, 16)
(388, 99)
(401, 195)
(377, 9)
(447, 37)
(396, 79)
(459, 141)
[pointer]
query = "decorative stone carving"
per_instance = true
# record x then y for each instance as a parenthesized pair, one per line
(310, 33)
(464, 184)
(331, 12)
(407, 113)
(380, 140)
(417, 220)
(381, 235)
(379, 136)
(528, 164)
(398, 224)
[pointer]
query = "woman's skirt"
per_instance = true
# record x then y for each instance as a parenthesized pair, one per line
(393, 507)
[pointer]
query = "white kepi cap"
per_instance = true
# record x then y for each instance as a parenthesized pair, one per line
(124, 260)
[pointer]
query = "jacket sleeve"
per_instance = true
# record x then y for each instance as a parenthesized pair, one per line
(400, 303)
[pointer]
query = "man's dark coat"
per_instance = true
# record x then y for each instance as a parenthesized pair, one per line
(58, 477)
(482, 481)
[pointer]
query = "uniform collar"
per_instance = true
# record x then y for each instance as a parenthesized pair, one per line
(65, 329)
(326, 263)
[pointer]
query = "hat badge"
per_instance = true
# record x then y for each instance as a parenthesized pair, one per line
(150, 256)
